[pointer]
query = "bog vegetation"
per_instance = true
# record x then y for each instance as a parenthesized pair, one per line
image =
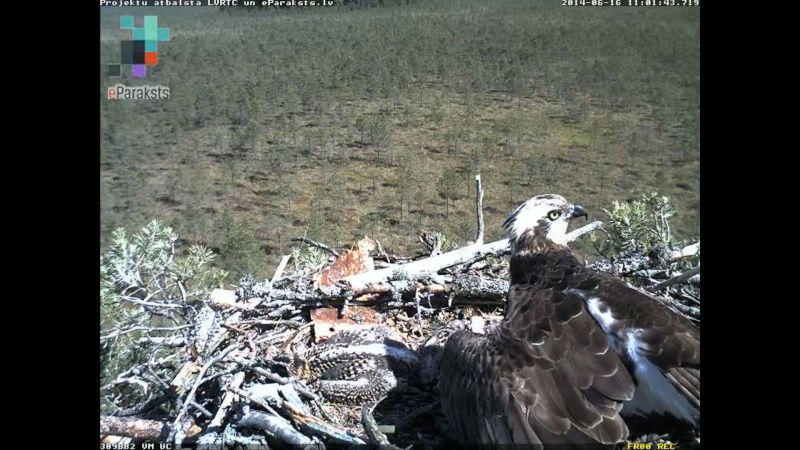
(333, 123)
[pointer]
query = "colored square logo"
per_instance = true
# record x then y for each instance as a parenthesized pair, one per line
(141, 50)
(126, 22)
(114, 70)
(151, 22)
(138, 70)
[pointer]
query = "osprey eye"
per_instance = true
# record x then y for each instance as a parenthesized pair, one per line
(553, 215)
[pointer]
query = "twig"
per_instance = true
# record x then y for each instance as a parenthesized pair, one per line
(285, 399)
(281, 267)
(316, 244)
(314, 425)
(116, 333)
(479, 208)
(190, 397)
(575, 234)
(200, 408)
(381, 251)
(244, 394)
(183, 291)
(129, 380)
(227, 400)
(172, 341)
(371, 427)
(252, 365)
(276, 427)
(424, 239)
(147, 406)
(274, 323)
(676, 279)
(137, 301)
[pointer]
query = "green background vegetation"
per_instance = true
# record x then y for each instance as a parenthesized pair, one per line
(337, 122)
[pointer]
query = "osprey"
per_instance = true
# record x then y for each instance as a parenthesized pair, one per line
(576, 351)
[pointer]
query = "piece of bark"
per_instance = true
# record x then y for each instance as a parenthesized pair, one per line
(353, 262)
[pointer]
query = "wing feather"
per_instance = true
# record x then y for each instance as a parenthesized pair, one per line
(650, 336)
(544, 375)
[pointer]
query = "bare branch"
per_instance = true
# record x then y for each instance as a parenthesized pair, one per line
(227, 400)
(359, 283)
(281, 267)
(685, 252)
(183, 291)
(575, 234)
(150, 304)
(171, 341)
(275, 426)
(372, 429)
(316, 244)
(141, 328)
(479, 208)
(381, 251)
(149, 430)
(676, 279)
(128, 380)
(190, 397)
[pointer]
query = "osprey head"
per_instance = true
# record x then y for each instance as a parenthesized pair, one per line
(541, 218)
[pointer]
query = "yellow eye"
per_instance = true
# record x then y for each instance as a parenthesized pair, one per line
(553, 215)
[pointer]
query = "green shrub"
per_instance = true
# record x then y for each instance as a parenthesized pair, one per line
(147, 289)
(641, 226)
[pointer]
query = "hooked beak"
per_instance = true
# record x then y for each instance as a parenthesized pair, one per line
(578, 211)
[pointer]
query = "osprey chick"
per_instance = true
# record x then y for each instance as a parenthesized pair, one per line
(574, 347)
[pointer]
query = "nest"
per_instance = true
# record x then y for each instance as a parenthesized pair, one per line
(231, 389)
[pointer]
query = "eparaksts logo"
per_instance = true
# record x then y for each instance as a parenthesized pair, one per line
(120, 92)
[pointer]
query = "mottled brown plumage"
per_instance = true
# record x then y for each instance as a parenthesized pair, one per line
(576, 349)
(357, 366)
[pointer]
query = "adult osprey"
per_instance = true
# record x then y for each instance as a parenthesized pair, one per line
(576, 349)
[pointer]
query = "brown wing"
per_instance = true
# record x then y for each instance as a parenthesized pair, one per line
(647, 333)
(545, 375)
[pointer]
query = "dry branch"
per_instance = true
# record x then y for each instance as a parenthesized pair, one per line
(149, 430)
(373, 430)
(199, 380)
(227, 401)
(685, 252)
(361, 283)
(676, 279)
(116, 333)
(276, 427)
(479, 208)
(281, 267)
(316, 244)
